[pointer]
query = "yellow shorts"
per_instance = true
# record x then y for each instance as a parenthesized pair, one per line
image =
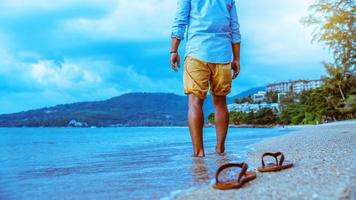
(198, 75)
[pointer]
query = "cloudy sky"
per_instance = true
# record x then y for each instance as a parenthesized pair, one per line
(54, 52)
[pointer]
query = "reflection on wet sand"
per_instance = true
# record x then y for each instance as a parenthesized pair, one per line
(203, 169)
(200, 172)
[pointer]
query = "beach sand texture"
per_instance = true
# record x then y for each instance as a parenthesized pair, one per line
(325, 167)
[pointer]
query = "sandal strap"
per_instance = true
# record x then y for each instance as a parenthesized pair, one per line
(242, 165)
(275, 155)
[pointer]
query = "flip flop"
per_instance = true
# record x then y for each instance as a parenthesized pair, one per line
(243, 177)
(280, 164)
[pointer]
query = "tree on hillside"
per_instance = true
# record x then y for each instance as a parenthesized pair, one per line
(293, 114)
(348, 107)
(211, 118)
(316, 106)
(272, 96)
(333, 22)
(264, 116)
(247, 99)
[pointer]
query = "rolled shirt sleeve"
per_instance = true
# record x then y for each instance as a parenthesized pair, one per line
(181, 19)
(234, 24)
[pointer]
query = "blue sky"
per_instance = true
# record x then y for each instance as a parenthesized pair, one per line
(54, 52)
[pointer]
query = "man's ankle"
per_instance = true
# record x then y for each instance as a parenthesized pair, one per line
(220, 149)
(199, 153)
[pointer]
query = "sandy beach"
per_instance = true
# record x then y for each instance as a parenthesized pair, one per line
(325, 167)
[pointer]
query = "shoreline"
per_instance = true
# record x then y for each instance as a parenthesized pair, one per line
(324, 158)
(185, 126)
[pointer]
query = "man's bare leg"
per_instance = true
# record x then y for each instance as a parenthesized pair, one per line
(196, 123)
(221, 122)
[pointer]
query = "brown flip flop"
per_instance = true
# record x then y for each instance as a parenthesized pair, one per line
(243, 177)
(280, 164)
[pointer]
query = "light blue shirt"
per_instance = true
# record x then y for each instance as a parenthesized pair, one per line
(211, 26)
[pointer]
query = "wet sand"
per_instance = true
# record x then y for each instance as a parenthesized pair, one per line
(325, 167)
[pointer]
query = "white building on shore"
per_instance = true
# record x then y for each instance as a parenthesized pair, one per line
(297, 86)
(248, 107)
(260, 96)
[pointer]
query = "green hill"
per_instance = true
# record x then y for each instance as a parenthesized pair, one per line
(133, 109)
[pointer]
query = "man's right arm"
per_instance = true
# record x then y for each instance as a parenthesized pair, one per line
(178, 30)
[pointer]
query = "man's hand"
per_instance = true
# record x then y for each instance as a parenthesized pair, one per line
(175, 61)
(235, 66)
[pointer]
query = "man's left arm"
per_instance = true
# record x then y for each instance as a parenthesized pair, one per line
(235, 40)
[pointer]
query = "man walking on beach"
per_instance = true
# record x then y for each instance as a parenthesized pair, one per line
(212, 50)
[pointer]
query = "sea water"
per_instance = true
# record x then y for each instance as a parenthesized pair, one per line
(112, 163)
